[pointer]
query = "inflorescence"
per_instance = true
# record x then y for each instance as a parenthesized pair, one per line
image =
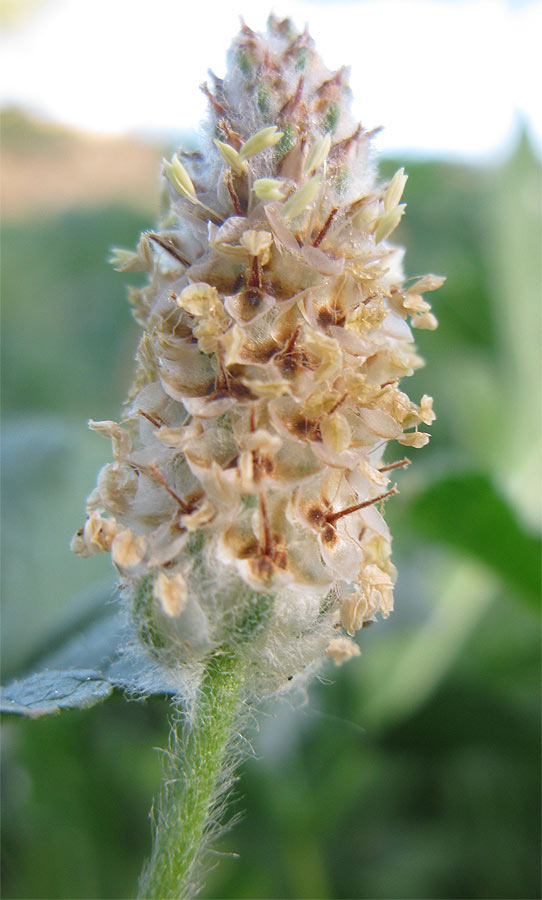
(244, 505)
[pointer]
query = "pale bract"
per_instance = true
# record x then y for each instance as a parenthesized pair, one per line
(244, 506)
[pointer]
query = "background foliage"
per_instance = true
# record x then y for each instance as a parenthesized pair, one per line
(414, 771)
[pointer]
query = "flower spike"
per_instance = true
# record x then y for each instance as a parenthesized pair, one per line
(243, 506)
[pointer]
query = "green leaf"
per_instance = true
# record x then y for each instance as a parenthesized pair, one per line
(466, 512)
(48, 692)
(83, 668)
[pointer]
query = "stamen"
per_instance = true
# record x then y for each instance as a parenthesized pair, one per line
(395, 465)
(338, 403)
(350, 509)
(160, 478)
(168, 245)
(156, 422)
(323, 231)
(223, 380)
(233, 195)
(290, 345)
(268, 543)
(255, 275)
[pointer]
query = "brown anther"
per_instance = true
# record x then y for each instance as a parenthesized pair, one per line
(323, 231)
(390, 382)
(328, 534)
(350, 509)
(154, 421)
(288, 365)
(395, 465)
(236, 203)
(327, 316)
(316, 515)
(266, 464)
(168, 245)
(290, 359)
(307, 429)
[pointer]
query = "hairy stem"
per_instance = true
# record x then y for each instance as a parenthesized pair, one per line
(198, 769)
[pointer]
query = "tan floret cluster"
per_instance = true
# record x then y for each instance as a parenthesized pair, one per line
(244, 504)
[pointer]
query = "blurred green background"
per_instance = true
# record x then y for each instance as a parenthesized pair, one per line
(413, 772)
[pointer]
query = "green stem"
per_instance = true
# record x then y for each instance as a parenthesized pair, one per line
(198, 769)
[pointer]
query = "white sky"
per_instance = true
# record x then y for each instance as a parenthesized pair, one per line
(446, 78)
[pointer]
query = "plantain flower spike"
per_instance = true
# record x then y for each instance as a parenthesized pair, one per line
(243, 507)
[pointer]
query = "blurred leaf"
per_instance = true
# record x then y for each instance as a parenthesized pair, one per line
(73, 669)
(89, 634)
(466, 512)
(48, 692)
(48, 467)
(94, 655)
(414, 664)
(81, 324)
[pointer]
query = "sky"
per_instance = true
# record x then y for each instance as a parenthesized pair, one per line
(444, 78)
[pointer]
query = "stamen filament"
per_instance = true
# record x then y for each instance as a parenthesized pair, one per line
(151, 419)
(160, 478)
(323, 231)
(350, 509)
(396, 465)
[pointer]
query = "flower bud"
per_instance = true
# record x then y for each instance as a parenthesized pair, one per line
(179, 178)
(231, 157)
(262, 140)
(268, 188)
(318, 154)
(301, 199)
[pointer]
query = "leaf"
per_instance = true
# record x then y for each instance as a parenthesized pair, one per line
(84, 668)
(466, 512)
(48, 692)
